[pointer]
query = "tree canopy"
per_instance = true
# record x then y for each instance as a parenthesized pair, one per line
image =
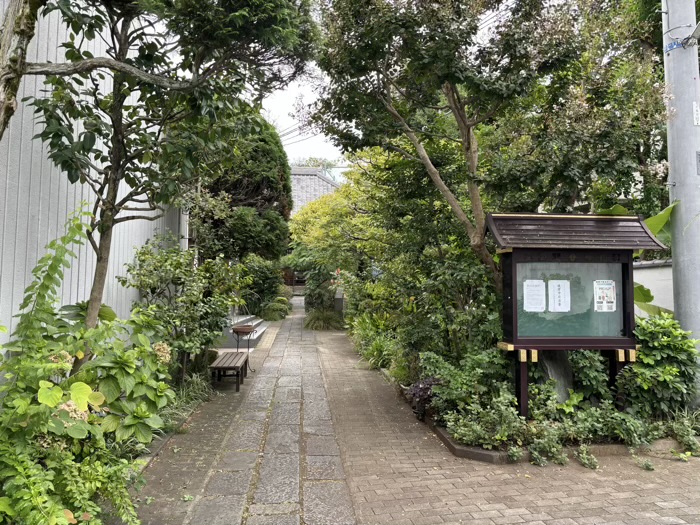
(132, 124)
(246, 197)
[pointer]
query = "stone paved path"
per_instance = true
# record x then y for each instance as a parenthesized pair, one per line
(264, 456)
(315, 438)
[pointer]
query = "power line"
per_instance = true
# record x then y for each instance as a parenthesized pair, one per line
(296, 124)
(302, 140)
(291, 132)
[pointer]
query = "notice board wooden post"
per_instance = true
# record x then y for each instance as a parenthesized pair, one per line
(568, 285)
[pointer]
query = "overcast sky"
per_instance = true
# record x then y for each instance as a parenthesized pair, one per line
(279, 110)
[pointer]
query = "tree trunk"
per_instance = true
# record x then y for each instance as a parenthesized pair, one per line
(99, 280)
(18, 27)
(108, 204)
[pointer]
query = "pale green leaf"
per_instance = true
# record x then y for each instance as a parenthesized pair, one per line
(80, 394)
(50, 396)
(652, 309)
(143, 340)
(657, 222)
(6, 507)
(96, 399)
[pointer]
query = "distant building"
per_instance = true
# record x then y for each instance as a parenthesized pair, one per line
(308, 185)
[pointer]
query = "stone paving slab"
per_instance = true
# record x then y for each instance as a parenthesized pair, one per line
(279, 479)
(327, 502)
(248, 460)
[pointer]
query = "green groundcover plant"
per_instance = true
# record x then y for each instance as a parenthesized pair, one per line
(67, 441)
(651, 400)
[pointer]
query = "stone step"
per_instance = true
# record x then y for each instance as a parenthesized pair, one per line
(242, 319)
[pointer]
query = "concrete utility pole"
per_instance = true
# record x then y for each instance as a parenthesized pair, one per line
(683, 88)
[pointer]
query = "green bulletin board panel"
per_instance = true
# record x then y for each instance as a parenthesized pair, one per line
(570, 299)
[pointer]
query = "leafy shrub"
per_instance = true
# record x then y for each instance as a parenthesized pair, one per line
(489, 425)
(479, 377)
(285, 291)
(663, 380)
(65, 439)
(275, 310)
(323, 320)
(584, 456)
(195, 301)
(265, 279)
(590, 370)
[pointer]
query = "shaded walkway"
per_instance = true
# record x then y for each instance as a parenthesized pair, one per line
(315, 438)
(264, 456)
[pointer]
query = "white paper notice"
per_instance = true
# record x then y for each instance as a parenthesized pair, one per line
(559, 296)
(534, 295)
(604, 295)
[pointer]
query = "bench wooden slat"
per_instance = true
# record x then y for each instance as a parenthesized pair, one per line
(231, 361)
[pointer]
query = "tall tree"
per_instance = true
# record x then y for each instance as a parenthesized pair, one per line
(246, 196)
(16, 32)
(112, 122)
(427, 70)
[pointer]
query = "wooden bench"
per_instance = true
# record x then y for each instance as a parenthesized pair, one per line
(236, 362)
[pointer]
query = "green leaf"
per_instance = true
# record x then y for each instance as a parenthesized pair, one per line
(50, 396)
(154, 421)
(111, 423)
(109, 386)
(143, 433)
(5, 506)
(143, 340)
(642, 294)
(657, 222)
(615, 210)
(80, 394)
(56, 426)
(96, 399)
(107, 314)
(77, 431)
(123, 433)
(127, 383)
(652, 309)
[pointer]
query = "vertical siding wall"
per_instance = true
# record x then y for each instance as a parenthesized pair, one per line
(36, 199)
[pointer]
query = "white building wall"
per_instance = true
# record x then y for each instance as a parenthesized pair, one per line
(658, 277)
(36, 199)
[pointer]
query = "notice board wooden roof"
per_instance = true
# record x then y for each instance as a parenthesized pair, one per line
(571, 232)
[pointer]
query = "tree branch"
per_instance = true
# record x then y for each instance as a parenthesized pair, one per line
(139, 218)
(92, 64)
(433, 172)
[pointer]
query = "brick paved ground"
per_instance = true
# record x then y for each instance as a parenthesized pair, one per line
(400, 473)
(315, 438)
